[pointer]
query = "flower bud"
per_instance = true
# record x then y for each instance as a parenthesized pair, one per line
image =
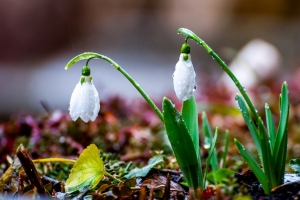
(184, 77)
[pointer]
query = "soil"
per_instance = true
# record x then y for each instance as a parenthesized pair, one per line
(287, 191)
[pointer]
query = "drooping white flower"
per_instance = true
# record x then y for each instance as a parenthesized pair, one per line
(184, 77)
(84, 101)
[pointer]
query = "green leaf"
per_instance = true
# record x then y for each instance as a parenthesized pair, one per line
(181, 143)
(219, 175)
(208, 141)
(295, 165)
(225, 152)
(250, 124)
(190, 117)
(87, 171)
(267, 161)
(281, 137)
(211, 150)
(142, 172)
(260, 175)
(271, 127)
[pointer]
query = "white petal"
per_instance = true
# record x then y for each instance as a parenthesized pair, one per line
(84, 101)
(184, 78)
(74, 103)
(87, 101)
(97, 104)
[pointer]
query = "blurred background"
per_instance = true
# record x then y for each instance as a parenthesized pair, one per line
(38, 38)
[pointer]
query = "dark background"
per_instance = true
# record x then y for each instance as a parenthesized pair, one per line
(37, 39)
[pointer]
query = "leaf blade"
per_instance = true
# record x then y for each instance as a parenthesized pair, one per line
(190, 117)
(260, 175)
(248, 119)
(88, 170)
(181, 142)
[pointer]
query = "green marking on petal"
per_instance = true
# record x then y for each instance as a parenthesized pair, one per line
(185, 57)
(82, 79)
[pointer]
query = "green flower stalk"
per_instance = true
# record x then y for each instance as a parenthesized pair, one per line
(271, 144)
(182, 128)
(89, 56)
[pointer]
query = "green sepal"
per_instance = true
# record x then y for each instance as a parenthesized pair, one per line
(82, 79)
(181, 143)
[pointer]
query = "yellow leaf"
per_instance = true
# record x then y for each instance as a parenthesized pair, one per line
(87, 171)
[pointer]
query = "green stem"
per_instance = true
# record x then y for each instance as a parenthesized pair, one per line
(65, 160)
(90, 55)
(193, 36)
(111, 176)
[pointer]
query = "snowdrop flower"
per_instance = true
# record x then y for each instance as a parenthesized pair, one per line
(84, 101)
(184, 75)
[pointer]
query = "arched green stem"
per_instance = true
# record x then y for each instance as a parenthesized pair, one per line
(193, 36)
(90, 55)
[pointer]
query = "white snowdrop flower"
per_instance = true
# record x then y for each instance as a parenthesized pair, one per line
(184, 76)
(84, 101)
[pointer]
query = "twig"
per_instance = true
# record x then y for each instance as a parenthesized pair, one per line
(31, 172)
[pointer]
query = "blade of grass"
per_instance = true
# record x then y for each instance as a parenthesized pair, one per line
(210, 154)
(281, 137)
(251, 126)
(260, 175)
(271, 127)
(190, 117)
(284, 111)
(225, 152)
(280, 161)
(268, 163)
(181, 143)
(208, 140)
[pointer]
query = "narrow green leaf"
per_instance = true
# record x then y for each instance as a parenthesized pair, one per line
(225, 152)
(280, 161)
(208, 140)
(260, 175)
(142, 172)
(295, 165)
(271, 127)
(250, 124)
(284, 114)
(190, 117)
(281, 137)
(87, 171)
(267, 161)
(181, 143)
(211, 150)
